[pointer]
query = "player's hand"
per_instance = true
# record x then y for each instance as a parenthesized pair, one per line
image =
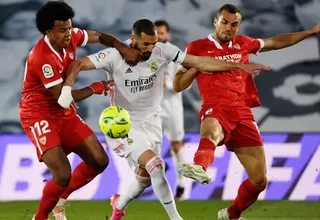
(132, 56)
(107, 86)
(65, 99)
(316, 29)
(254, 69)
(101, 88)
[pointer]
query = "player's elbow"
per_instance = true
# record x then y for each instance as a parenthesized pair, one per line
(176, 86)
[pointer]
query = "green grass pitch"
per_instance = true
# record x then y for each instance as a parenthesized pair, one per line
(152, 210)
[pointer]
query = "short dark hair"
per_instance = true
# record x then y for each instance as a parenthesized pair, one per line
(160, 23)
(229, 8)
(51, 12)
(143, 25)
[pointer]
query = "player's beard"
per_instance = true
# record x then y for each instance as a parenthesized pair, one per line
(145, 55)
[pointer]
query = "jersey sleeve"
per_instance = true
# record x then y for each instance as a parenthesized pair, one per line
(48, 72)
(80, 37)
(107, 59)
(172, 53)
(254, 44)
(190, 49)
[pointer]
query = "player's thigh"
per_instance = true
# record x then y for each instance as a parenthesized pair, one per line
(79, 138)
(44, 134)
(253, 160)
(58, 164)
(214, 125)
(247, 144)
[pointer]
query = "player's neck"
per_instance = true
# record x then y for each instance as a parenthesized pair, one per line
(215, 36)
(56, 48)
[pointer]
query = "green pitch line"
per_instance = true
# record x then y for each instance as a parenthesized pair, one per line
(152, 210)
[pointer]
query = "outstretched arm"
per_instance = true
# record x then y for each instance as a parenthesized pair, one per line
(286, 40)
(132, 56)
(209, 64)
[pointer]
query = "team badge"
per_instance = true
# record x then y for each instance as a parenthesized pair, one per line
(71, 55)
(237, 46)
(154, 66)
(43, 140)
(129, 140)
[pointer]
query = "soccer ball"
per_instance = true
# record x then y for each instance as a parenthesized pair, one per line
(115, 122)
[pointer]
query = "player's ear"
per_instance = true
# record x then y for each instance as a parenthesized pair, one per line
(215, 22)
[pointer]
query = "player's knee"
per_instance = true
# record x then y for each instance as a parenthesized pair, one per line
(176, 146)
(62, 178)
(144, 181)
(155, 165)
(259, 179)
(102, 162)
(212, 130)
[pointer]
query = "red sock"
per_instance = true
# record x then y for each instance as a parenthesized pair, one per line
(247, 195)
(50, 197)
(205, 153)
(81, 175)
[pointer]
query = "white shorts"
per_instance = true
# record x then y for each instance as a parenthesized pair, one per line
(173, 126)
(143, 135)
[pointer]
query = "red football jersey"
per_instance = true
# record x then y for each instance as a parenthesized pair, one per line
(44, 69)
(231, 88)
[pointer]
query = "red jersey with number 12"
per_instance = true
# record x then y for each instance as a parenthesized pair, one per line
(44, 69)
(230, 88)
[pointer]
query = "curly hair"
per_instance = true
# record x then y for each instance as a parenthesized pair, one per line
(51, 12)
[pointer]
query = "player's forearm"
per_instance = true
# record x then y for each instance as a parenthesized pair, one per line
(182, 80)
(209, 64)
(72, 72)
(286, 40)
(109, 40)
(81, 94)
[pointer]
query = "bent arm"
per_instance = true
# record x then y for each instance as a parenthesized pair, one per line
(182, 80)
(74, 69)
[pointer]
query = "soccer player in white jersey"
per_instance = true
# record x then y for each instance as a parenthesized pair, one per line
(139, 90)
(172, 116)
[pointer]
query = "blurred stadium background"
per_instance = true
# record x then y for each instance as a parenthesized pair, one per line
(289, 118)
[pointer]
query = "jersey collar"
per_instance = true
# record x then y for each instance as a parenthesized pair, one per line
(216, 43)
(46, 39)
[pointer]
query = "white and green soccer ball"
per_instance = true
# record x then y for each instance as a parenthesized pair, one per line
(115, 122)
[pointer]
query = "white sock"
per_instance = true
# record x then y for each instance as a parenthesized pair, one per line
(176, 159)
(161, 187)
(62, 202)
(138, 185)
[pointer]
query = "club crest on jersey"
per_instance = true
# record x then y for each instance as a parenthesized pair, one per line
(47, 71)
(237, 46)
(154, 66)
(101, 56)
(129, 140)
(43, 140)
(71, 55)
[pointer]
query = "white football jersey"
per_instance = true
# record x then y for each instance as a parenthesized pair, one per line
(171, 100)
(138, 89)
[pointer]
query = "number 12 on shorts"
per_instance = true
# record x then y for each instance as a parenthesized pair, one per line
(40, 128)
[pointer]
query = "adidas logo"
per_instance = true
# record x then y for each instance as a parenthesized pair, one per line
(129, 70)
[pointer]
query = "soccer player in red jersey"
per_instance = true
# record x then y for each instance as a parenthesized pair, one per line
(225, 115)
(55, 131)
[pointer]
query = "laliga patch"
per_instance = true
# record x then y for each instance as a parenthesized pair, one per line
(47, 71)
(101, 56)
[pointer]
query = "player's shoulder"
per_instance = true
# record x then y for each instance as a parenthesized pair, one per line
(198, 42)
(242, 39)
(41, 53)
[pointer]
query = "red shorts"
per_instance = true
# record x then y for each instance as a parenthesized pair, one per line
(238, 123)
(46, 134)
